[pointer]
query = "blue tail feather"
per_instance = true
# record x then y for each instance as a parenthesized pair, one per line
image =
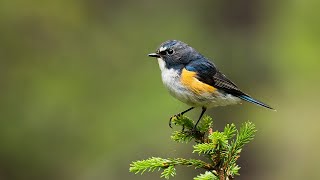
(251, 100)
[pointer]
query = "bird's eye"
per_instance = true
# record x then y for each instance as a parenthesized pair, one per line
(170, 51)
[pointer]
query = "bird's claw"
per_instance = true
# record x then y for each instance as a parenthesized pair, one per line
(174, 116)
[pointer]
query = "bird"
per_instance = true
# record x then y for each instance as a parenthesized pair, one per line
(195, 80)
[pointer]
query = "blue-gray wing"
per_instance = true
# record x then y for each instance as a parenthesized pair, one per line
(209, 74)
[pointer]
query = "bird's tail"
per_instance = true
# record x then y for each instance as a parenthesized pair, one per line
(253, 101)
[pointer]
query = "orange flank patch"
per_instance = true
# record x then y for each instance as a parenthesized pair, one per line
(188, 78)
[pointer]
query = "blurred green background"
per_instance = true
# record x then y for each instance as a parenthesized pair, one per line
(80, 99)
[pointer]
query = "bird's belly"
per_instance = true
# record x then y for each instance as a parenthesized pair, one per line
(204, 99)
(171, 80)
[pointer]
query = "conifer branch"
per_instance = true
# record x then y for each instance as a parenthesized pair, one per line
(222, 149)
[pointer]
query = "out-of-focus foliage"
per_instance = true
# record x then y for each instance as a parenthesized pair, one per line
(79, 95)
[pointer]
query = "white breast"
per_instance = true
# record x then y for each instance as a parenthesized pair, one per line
(171, 80)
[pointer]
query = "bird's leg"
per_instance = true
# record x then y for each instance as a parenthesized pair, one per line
(202, 112)
(179, 114)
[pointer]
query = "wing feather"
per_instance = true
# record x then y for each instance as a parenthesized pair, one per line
(209, 74)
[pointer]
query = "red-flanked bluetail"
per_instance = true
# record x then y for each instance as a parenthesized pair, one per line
(195, 80)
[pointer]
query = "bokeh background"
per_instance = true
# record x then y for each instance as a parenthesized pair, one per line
(81, 100)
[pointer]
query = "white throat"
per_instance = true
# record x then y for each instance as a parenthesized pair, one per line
(162, 64)
(170, 77)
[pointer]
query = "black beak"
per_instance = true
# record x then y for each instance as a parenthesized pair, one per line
(154, 55)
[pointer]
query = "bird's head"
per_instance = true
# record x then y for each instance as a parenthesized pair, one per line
(174, 53)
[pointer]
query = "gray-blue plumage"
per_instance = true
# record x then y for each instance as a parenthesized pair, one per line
(176, 57)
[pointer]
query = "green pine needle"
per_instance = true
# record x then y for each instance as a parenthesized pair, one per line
(234, 170)
(184, 121)
(230, 130)
(150, 164)
(181, 136)
(204, 148)
(222, 150)
(205, 124)
(245, 135)
(169, 171)
(206, 176)
(219, 138)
